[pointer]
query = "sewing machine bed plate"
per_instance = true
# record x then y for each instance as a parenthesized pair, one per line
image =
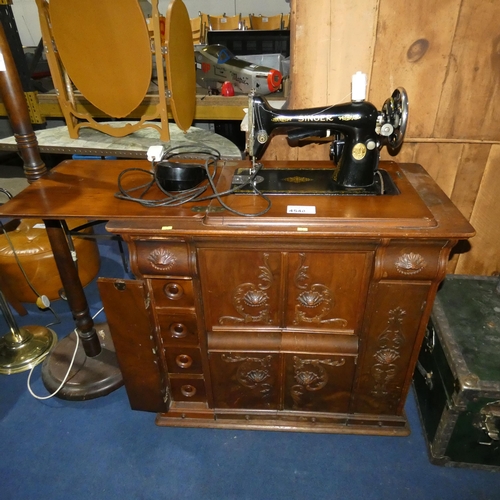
(406, 210)
(311, 182)
(86, 188)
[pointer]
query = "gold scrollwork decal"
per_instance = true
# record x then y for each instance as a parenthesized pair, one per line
(297, 179)
(348, 118)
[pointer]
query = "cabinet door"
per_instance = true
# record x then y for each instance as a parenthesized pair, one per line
(327, 290)
(394, 319)
(240, 288)
(248, 380)
(320, 383)
(126, 305)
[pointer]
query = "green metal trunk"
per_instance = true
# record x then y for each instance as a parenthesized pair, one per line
(457, 379)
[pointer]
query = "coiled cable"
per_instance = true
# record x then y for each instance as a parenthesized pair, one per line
(210, 157)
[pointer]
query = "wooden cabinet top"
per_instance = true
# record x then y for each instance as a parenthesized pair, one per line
(86, 188)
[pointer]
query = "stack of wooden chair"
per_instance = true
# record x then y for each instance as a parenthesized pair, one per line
(203, 23)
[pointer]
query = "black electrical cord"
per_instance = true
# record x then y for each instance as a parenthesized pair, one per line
(173, 199)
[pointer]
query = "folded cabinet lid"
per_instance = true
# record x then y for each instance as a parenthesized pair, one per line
(180, 64)
(105, 48)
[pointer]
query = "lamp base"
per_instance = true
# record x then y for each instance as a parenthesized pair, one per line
(89, 378)
(36, 343)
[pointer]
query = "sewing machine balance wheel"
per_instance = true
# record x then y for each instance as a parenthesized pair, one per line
(395, 112)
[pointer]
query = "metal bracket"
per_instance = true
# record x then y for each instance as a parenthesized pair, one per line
(34, 107)
(490, 422)
(166, 396)
(427, 375)
(430, 338)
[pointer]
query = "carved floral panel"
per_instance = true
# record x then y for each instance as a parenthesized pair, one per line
(314, 302)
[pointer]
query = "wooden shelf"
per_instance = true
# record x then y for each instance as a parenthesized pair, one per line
(208, 107)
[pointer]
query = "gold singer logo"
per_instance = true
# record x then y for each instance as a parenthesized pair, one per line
(316, 118)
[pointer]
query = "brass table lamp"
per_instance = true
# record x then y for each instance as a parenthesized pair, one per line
(23, 348)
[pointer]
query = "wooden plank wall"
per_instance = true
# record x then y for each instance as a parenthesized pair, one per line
(446, 55)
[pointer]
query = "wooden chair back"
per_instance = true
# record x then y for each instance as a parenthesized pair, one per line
(266, 22)
(285, 25)
(245, 21)
(205, 21)
(198, 29)
(217, 23)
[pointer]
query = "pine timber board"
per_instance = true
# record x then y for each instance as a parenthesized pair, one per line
(469, 107)
(412, 48)
(447, 56)
(484, 257)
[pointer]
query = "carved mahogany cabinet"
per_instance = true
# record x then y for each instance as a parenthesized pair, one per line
(292, 322)
(285, 321)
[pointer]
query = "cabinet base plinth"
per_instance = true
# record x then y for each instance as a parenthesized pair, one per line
(382, 425)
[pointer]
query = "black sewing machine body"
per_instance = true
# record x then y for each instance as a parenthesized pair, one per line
(357, 130)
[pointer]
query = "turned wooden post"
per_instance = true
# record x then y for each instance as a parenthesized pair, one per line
(73, 289)
(12, 94)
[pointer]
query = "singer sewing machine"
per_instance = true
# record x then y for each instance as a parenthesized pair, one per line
(358, 131)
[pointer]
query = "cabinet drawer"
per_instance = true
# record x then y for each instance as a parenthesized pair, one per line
(178, 328)
(188, 389)
(183, 360)
(173, 293)
(164, 257)
(413, 262)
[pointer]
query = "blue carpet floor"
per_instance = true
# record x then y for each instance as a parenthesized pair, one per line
(101, 449)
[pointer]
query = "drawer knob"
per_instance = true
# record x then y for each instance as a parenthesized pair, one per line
(188, 391)
(184, 361)
(173, 291)
(178, 330)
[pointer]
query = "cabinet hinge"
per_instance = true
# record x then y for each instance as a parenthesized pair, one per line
(166, 396)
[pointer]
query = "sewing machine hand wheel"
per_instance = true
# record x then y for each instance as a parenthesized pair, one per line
(395, 111)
